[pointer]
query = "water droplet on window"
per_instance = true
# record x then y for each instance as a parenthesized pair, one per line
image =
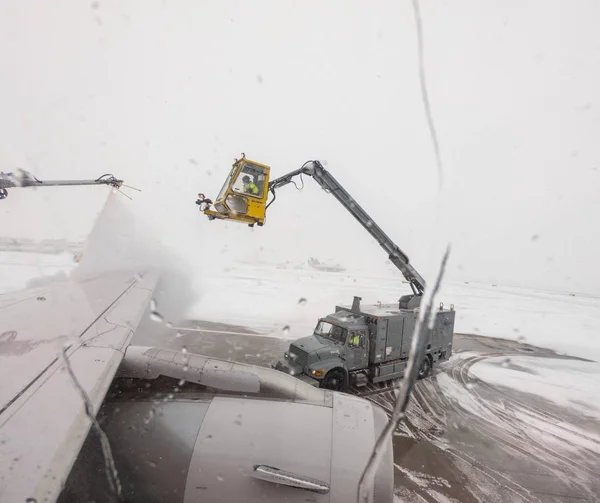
(168, 324)
(181, 382)
(535, 237)
(171, 396)
(469, 385)
(153, 304)
(505, 362)
(41, 298)
(286, 330)
(302, 301)
(369, 223)
(30, 500)
(150, 417)
(179, 334)
(259, 79)
(154, 316)
(184, 349)
(220, 478)
(521, 338)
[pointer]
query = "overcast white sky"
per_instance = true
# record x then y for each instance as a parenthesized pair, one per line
(166, 93)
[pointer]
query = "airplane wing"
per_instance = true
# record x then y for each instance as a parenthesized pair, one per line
(87, 325)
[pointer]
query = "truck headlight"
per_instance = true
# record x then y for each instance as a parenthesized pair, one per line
(317, 373)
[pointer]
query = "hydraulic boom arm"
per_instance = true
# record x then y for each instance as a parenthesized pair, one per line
(24, 179)
(316, 170)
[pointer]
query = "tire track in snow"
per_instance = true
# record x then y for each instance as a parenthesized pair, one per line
(518, 428)
(511, 421)
(509, 431)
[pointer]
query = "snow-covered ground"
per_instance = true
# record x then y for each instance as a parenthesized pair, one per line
(526, 424)
(269, 297)
(285, 300)
(569, 383)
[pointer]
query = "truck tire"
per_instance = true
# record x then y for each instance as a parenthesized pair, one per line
(425, 367)
(335, 380)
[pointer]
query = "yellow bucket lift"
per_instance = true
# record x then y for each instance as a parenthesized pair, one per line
(243, 197)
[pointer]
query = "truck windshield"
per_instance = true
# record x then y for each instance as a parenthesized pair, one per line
(333, 332)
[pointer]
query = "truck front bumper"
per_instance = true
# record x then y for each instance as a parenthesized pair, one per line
(296, 371)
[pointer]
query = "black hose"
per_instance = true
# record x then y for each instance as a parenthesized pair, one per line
(272, 200)
(112, 177)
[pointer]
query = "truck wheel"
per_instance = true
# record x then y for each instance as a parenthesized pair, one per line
(425, 367)
(335, 380)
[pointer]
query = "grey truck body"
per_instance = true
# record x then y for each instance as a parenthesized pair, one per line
(369, 343)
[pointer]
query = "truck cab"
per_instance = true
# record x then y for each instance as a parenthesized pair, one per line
(339, 345)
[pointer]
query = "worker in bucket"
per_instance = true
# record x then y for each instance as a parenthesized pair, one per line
(249, 186)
